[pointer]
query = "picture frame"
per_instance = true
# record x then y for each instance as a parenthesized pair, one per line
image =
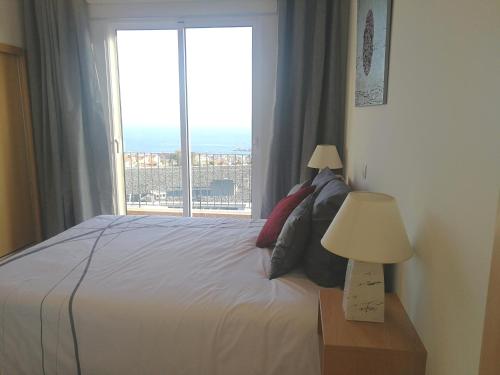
(372, 52)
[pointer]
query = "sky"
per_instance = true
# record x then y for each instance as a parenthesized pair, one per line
(219, 81)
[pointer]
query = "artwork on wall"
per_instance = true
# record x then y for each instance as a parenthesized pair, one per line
(372, 51)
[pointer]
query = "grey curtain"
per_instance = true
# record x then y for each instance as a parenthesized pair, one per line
(71, 141)
(310, 91)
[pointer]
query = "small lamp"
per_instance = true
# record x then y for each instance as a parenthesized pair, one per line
(368, 230)
(325, 156)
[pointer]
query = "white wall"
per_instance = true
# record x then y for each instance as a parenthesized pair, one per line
(11, 22)
(436, 147)
(178, 8)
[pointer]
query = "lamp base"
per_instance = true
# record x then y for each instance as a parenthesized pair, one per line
(364, 292)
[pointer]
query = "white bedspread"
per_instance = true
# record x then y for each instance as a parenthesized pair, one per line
(154, 295)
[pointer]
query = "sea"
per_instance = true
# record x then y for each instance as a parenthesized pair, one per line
(235, 140)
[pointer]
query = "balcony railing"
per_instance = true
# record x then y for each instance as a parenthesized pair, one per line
(219, 181)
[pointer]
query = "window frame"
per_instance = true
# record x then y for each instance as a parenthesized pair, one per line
(264, 62)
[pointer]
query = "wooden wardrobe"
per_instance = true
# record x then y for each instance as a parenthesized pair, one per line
(490, 365)
(19, 204)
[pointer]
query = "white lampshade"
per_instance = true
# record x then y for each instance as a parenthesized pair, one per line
(325, 156)
(368, 228)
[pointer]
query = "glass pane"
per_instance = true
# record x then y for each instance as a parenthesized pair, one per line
(149, 92)
(219, 93)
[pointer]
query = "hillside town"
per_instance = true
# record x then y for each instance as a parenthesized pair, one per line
(219, 181)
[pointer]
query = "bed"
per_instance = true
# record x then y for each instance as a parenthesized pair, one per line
(155, 295)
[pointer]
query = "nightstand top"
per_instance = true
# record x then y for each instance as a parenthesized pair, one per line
(396, 333)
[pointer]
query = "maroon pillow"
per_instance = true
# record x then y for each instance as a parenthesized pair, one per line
(271, 230)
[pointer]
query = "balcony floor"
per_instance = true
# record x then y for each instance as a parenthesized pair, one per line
(159, 210)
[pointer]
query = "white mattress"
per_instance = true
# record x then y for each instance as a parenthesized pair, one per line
(154, 295)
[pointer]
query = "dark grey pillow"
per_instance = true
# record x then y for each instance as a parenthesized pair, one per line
(297, 187)
(321, 266)
(322, 178)
(292, 240)
(329, 199)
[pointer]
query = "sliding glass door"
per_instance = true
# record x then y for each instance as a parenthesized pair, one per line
(150, 112)
(186, 120)
(219, 97)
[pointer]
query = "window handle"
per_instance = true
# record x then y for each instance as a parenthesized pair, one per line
(117, 146)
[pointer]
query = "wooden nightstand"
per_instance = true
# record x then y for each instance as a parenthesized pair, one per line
(362, 348)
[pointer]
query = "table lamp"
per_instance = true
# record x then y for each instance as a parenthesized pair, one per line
(369, 231)
(325, 156)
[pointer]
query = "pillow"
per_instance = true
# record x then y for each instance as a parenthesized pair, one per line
(292, 240)
(271, 230)
(330, 199)
(297, 187)
(321, 266)
(322, 178)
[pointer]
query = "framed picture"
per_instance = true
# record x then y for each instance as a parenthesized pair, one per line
(372, 52)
